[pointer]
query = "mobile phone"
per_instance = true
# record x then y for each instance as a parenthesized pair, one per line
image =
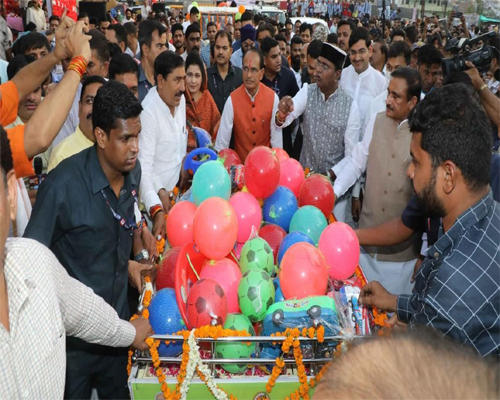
(458, 14)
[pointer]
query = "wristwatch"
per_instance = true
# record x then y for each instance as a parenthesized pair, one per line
(143, 255)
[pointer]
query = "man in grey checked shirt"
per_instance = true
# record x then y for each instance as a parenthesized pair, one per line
(40, 303)
(457, 288)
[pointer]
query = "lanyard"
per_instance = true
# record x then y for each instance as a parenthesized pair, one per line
(118, 217)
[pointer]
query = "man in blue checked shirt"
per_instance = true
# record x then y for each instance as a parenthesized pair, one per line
(457, 288)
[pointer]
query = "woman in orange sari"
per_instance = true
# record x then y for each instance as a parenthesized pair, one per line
(201, 110)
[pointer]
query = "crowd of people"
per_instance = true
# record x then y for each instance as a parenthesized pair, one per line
(97, 118)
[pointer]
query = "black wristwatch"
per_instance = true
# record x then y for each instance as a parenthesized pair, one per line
(143, 255)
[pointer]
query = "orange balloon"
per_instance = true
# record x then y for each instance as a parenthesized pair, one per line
(241, 9)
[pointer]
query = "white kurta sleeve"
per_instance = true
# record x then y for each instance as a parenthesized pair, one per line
(357, 163)
(226, 126)
(276, 133)
(299, 106)
(351, 137)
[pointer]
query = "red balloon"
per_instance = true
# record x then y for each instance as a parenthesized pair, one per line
(340, 246)
(206, 304)
(281, 154)
(165, 275)
(262, 172)
(230, 158)
(180, 224)
(303, 272)
(273, 235)
(215, 228)
(248, 213)
(292, 175)
(317, 190)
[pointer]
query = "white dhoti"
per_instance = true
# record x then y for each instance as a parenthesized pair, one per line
(394, 276)
(339, 210)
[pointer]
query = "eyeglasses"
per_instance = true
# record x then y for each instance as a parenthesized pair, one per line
(322, 66)
(253, 70)
(361, 52)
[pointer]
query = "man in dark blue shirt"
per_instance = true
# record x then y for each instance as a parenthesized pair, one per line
(86, 212)
(457, 288)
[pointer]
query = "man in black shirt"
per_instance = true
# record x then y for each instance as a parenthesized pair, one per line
(86, 212)
(222, 77)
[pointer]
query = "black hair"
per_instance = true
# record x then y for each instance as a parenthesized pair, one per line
(82, 15)
(175, 28)
(17, 63)
(454, 127)
(296, 40)
(193, 58)
(54, 18)
(120, 33)
(258, 52)
(130, 28)
(332, 38)
(267, 44)
(343, 22)
(123, 64)
(360, 34)
(304, 27)
(193, 28)
(113, 101)
(194, 10)
(280, 38)
(165, 63)
(146, 29)
(288, 21)
(89, 81)
(384, 49)
(398, 32)
(6, 159)
(92, 21)
(314, 49)
(211, 23)
(457, 77)
(114, 50)
(99, 43)
(246, 16)
(411, 33)
(413, 81)
(257, 18)
(298, 21)
(400, 48)
(223, 34)
(428, 55)
(30, 27)
(31, 41)
(266, 27)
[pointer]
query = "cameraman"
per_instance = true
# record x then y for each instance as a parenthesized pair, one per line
(494, 67)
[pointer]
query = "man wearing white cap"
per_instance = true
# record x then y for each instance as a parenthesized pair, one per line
(331, 120)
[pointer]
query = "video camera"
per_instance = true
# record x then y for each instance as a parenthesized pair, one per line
(481, 58)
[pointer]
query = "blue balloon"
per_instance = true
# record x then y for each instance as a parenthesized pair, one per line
(279, 207)
(278, 294)
(291, 239)
(165, 318)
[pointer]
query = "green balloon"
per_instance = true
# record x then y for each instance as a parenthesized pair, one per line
(257, 254)
(255, 294)
(211, 180)
(309, 220)
(237, 322)
(237, 16)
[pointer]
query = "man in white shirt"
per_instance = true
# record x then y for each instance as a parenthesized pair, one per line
(330, 124)
(179, 41)
(363, 83)
(36, 15)
(163, 139)
(128, 17)
(384, 154)
(194, 17)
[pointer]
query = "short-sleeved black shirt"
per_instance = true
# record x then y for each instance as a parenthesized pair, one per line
(222, 89)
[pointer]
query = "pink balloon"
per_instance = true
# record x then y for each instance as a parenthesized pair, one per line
(291, 175)
(180, 224)
(248, 213)
(215, 228)
(340, 246)
(262, 172)
(227, 274)
(303, 272)
(281, 154)
(237, 250)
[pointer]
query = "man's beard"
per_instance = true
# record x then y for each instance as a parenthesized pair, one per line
(296, 62)
(428, 200)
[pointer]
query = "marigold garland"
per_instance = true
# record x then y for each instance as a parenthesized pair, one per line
(378, 317)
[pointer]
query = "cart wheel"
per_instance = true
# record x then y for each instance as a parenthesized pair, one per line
(278, 317)
(314, 312)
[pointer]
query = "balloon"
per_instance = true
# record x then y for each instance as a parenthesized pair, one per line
(262, 172)
(180, 223)
(237, 16)
(255, 294)
(303, 272)
(211, 180)
(309, 220)
(257, 254)
(340, 246)
(206, 304)
(317, 191)
(273, 235)
(236, 322)
(279, 207)
(278, 296)
(165, 319)
(290, 240)
(229, 157)
(241, 9)
(281, 154)
(227, 274)
(165, 275)
(237, 250)
(292, 175)
(248, 213)
(215, 228)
